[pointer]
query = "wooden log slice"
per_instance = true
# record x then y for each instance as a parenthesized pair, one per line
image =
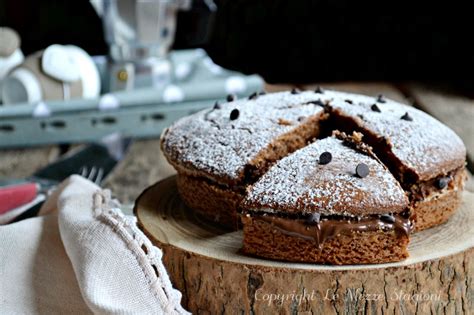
(204, 263)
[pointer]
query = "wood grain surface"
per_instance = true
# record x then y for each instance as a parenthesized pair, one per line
(205, 264)
(19, 163)
(143, 165)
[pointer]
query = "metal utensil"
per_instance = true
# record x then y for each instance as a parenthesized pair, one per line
(95, 175)
(93, 162)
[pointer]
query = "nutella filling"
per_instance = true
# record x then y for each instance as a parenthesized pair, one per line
(321, 230)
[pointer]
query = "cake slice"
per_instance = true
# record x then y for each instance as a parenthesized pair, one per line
(331, 202)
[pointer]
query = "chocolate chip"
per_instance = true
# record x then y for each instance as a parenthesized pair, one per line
(295, 91)
(384, 140)
(375, 108)
(318, 102)
(362, 170)
(231, 98)
(217, 105)
(234, 114)
(253, 96)
(406, 117)
(349, 101)
(442, 182)
(262, 93)
(313, 218)
(319, 90)
(381, 99)
(301, 118)
(325, 158)
(387, 218)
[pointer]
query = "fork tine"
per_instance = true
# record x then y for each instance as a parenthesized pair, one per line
(92, 174)
(100, 174)
(83, 171)
(95, 174)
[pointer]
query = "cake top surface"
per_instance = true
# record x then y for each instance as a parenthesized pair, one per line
(419, 141)
(212, 144)
(221, 142)
(300, 183)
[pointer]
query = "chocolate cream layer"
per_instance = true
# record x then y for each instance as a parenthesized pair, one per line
(320, 229)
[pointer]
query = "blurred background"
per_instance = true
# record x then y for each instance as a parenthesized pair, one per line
(287, 41)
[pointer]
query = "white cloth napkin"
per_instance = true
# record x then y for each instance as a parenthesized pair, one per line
(80, 256)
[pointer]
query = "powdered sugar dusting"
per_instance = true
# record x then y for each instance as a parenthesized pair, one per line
(298, 183)
(210, 141)
(424, 144)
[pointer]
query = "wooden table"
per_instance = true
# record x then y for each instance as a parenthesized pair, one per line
(145, 163)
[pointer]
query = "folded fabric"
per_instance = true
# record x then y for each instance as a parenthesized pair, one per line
(82, 255)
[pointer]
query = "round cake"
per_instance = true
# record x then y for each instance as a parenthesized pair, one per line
(221, 154)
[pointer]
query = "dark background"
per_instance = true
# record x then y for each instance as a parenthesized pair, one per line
(292, 41)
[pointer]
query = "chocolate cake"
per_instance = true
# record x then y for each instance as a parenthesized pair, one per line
(223, 152)
(330, 202)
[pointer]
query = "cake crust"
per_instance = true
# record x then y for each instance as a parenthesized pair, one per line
(213, 202)
(262, 239)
